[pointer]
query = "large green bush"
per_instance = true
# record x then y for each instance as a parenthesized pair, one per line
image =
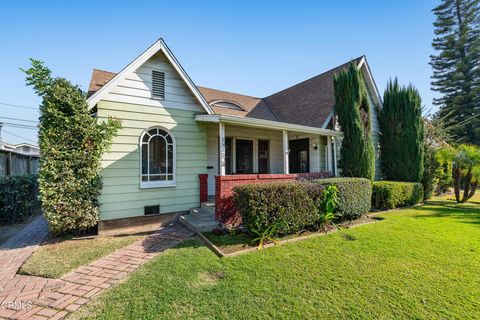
(72, 143)
(18, 198)
(393, 194)
(287, 205)
(402, 139)
(357, 156)
(295, 206)
(354, 196)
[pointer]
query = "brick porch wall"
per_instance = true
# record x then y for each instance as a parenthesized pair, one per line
(225, 211)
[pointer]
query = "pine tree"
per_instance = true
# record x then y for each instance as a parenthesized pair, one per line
(357, 157)
(456, 71)
(401, 124)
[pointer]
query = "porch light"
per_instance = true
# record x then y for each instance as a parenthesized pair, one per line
(315, 146)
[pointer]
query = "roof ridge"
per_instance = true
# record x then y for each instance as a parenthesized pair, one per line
(318, 75)
(240, 94)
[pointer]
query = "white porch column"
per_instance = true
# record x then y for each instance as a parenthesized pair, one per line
(221, 151)
(329, 154)
(335, 157)
(286, 167)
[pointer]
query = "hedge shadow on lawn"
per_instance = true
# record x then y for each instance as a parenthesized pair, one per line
(469, 213)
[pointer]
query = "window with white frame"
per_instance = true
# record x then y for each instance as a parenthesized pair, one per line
(157, 147)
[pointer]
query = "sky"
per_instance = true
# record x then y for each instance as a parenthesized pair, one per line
(250, 47)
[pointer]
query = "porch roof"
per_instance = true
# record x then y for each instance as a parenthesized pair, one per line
(267, 124)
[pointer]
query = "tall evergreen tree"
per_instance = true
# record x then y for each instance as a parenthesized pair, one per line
(401, 141)
(456, 71)
(357, 157)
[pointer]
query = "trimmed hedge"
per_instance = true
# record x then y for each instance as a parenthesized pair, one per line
(393, 194)
(297, 206)
(354, 196)
(18, 198)
(285, 203)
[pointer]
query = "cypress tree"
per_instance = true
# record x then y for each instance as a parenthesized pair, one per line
(456, 75)
(401, 142)
(357, 157)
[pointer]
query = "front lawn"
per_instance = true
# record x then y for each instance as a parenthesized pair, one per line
(58, 256)
(417, 263)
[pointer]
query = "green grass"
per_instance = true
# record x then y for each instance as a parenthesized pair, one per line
(58, 256)
(418, 263)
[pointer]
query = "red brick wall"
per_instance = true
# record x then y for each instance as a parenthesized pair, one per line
(203, 187)
(225, 211)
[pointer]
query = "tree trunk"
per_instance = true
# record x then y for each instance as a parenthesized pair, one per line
(472, 190)
(466, 188)
(456, 183)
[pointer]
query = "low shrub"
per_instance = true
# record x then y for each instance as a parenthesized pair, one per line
(18, 198)
(393, 194)
(287, 205)
(354, 196)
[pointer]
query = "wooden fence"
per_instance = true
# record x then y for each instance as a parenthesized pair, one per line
(13, 163)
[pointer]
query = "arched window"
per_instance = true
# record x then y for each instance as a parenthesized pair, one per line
(157, 147)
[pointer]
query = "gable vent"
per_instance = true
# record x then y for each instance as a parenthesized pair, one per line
(158, 84)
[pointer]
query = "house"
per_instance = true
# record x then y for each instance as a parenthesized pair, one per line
(16, 159)
(181, 144)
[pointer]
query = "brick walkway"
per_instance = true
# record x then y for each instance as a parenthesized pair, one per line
(26, 297)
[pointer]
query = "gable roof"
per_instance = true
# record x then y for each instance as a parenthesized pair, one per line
(159, 45)
(309, 103)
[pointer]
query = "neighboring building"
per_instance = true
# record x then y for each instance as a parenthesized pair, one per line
(178, 141)
(18, 159)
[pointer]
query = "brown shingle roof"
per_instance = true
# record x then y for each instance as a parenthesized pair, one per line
(99, 79)
(307, 103)
(254, 107)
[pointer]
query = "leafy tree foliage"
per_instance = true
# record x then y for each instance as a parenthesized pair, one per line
(71, 144)
(437, 177)
(456, 72)
(465, 160)
(401, 141)
(352, 108)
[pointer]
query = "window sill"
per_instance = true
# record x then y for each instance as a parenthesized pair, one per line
(149, 185)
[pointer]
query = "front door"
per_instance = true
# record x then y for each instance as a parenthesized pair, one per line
(244, 156)
(298, 157)
(263, 156)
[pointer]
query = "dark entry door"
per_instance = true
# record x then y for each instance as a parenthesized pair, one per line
(244, 156)
(298, 157)
(263, 156)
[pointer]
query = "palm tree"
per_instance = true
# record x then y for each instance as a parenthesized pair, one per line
(465, 160)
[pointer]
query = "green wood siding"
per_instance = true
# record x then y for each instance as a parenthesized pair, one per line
(122, 196)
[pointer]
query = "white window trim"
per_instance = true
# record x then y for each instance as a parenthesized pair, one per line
(159, 184)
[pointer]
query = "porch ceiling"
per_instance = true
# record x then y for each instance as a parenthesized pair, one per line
(266, 124)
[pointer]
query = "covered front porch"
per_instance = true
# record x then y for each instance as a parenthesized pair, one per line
(243, 146)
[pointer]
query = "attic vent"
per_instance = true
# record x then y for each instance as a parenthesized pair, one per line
(151, 210)
(158, 84)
